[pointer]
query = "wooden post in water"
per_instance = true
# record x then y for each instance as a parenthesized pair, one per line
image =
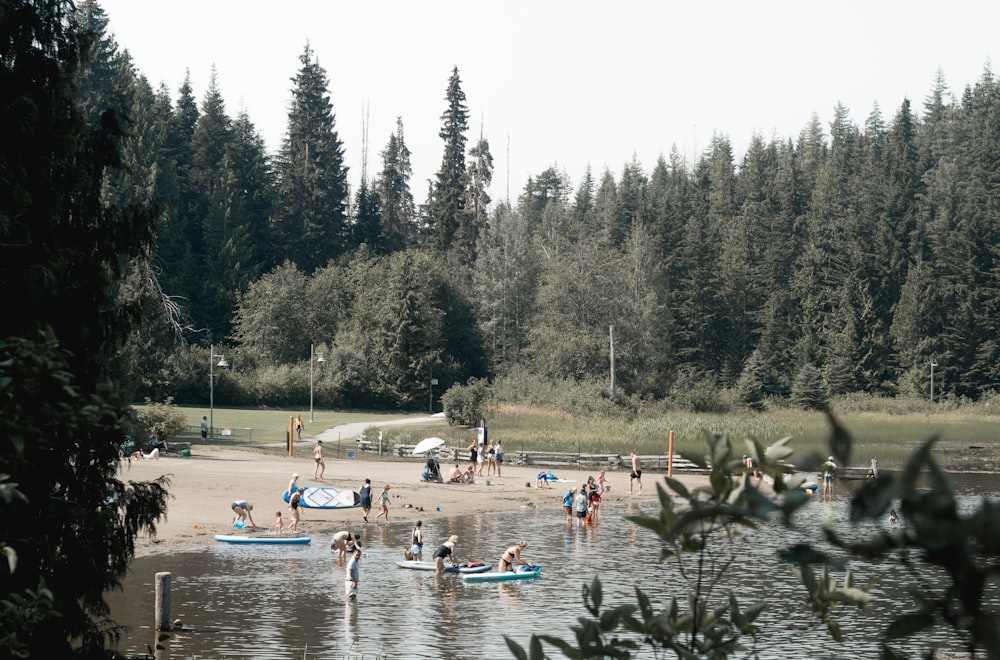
(670, 456)
(163, 601)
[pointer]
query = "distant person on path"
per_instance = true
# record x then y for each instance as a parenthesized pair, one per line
(241, 511)
(636, 474)
(511, 557)
(384, 502)
(353, 575)
(298, 428)
(320, 467)
(445, 551)
(204, 430)
(293, 507)
(366, 498)
(828, 468)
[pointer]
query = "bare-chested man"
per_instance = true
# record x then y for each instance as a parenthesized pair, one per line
(636, 473)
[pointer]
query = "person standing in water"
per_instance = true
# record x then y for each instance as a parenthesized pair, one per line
(828, 468)
(416, 551)
(512, 556)
(353, 575)
(445, 551)
(384, 501)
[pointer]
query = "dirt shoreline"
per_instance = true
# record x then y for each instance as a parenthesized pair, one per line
(204, 485)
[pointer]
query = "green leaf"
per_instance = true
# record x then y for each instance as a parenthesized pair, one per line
(909, 624)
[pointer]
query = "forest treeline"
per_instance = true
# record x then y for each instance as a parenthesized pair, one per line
(853, 258)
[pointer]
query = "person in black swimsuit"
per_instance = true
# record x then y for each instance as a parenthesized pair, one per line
(512, 557)
(446, 549)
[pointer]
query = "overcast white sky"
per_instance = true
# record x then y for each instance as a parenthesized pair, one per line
(568, 84)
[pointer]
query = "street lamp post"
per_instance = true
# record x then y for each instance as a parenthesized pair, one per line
(312, 359)
(933, 364)
(430, 391)
(211, 386)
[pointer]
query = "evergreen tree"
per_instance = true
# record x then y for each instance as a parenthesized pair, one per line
(447, 199)
(70, 524)
(313, 193)
(480, 175)
(396, 208)
(506, 284)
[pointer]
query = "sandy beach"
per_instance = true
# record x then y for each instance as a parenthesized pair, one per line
(204, 485)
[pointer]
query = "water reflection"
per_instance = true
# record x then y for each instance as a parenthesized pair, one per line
(288, 602)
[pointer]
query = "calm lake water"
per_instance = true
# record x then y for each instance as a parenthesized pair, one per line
(288, 601)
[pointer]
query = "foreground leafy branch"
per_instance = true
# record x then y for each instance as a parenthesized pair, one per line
(697, 527)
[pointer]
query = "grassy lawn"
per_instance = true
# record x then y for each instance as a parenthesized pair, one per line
(966, 441)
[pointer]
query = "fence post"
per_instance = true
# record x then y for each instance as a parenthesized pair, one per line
(670, 456)
(162, 607)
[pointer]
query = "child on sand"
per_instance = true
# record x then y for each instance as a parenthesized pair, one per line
(279, 523)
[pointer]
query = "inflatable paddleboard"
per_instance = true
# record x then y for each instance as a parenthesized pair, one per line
(466, 568)
(284, 540)
(324, 497)
(524, 573)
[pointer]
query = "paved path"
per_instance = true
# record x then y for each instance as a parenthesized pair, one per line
(354, 429)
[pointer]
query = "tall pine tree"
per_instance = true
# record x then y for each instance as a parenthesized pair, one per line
(313, 191)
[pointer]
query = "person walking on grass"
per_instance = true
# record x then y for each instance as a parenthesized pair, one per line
(384, 501)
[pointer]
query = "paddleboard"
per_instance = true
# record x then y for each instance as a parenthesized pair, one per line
(466, 568)
(283, 540)
(325, 497)
(524, 573)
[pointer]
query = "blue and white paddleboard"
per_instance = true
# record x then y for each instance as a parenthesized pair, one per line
(524, 573)
(284, 540)
(466, 568)
(325, 497)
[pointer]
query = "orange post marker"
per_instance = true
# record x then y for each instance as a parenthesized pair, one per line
(670, 456)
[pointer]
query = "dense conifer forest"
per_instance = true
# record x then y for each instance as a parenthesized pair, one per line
(849, 259)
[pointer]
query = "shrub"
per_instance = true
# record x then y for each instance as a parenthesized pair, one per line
(163, 419)
(466, 404)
